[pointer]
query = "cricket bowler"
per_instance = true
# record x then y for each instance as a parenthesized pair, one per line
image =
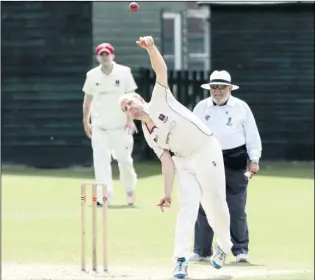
(168, 126)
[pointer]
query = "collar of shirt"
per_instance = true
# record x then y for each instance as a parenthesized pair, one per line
(230, 102)
(113, 70)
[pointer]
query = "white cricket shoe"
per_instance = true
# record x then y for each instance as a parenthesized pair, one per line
(197, 258)
(218, 258)
(241, 258)
(180, 271)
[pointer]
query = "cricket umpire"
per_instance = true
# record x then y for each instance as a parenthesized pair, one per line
(233, 123)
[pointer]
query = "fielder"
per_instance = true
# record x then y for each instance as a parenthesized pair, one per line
(111, 130)
(169, 126)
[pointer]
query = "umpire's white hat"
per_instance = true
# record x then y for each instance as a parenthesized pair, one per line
(220, 78)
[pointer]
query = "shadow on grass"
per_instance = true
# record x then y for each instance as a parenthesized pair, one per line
(123, 206)
(152, 168)
(217, 277)
(118, 206)
(242, 264)
(232, 264)
(220, 277)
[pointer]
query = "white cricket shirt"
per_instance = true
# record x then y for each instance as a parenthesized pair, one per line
(233, 124)
(106, 91)
(176, 128)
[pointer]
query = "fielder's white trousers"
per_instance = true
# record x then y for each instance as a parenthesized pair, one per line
(119, 144)
(201, 178)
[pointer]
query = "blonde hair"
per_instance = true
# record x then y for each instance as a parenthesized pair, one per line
(129, 96)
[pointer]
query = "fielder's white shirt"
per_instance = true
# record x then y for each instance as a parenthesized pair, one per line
(106, 91)
(233, 124)
(176, 128)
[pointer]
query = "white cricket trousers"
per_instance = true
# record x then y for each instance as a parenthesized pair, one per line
(119, 144)
(201, 178)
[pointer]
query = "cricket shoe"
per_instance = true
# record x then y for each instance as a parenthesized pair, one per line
(241, 258)
(180, 271)
(218, 258)
(194, 257)
(109, 201)
(131, 198)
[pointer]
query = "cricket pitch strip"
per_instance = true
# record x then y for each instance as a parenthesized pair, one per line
(18, 271)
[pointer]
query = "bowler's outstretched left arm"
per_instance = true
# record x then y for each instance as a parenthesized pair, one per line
(168, 171)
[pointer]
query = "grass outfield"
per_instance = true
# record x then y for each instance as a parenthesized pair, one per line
(41, 219)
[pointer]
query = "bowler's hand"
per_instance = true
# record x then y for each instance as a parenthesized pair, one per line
(145, 42)
(88, 129)
(253, 168)
(164, 202)
(131, 128)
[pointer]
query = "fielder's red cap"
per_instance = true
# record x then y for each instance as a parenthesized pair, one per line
(104, 47)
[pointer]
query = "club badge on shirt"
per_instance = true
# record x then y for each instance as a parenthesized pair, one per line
(229, 123)
(117, 82)
(163, 118)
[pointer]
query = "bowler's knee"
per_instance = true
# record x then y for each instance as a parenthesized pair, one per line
(219, 209)
(125, 162)
(103, 157)
(189, 209)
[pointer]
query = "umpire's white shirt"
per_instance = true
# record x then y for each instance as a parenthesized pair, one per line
(106, 91)
(233, 124)
(176, 128)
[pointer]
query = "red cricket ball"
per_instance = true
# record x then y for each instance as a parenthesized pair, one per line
(133, 7)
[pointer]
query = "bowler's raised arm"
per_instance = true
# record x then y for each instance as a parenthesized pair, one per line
(157, 61)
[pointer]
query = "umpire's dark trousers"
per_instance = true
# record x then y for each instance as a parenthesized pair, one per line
(235, 161)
